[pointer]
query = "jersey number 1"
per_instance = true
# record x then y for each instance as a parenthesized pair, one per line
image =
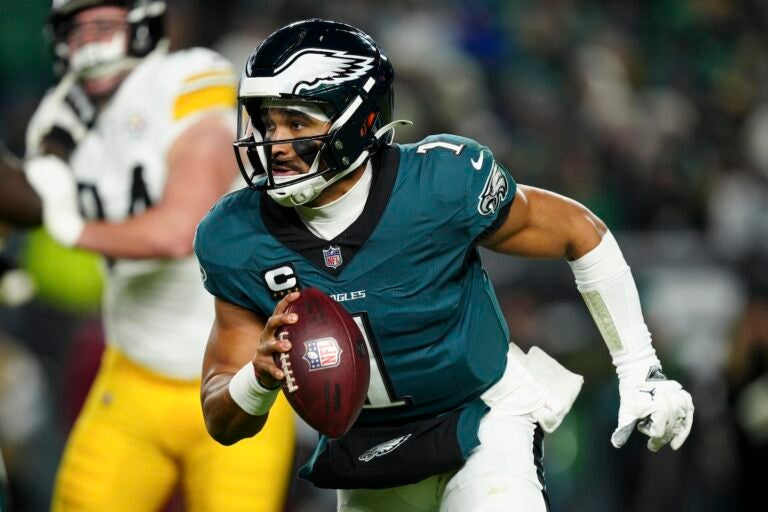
(380, 392)
(456, 148)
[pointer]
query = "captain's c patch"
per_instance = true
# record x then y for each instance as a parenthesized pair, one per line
(281, 280)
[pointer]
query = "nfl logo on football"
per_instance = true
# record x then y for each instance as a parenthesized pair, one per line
(321, 354)
(332, 256)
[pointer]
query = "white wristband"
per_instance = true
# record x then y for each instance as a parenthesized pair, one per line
(247, 393)
(605, 281)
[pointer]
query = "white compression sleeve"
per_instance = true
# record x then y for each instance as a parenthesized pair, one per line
(605, 281)
(249, 394)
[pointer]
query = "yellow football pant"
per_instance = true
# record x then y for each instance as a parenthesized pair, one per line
(140, 434)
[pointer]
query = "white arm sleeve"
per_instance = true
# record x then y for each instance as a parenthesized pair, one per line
(605, 281)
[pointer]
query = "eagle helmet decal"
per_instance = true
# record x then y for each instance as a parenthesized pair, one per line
(319, 66)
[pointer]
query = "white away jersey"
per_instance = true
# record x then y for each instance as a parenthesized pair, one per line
(156, 312)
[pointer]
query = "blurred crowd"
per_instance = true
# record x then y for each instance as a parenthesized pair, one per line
(654, 114)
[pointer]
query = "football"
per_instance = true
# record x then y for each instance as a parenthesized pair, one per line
(327, 369)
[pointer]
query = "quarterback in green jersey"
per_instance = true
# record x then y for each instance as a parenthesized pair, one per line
(455, 411)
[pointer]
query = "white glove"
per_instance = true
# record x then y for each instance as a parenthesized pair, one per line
(661, 409)
(53, 181)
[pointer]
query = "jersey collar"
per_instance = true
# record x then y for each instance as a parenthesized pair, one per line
(333, 256)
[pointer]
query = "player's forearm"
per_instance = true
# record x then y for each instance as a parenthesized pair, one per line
(153, 234)
(609, 290)
(226, 421)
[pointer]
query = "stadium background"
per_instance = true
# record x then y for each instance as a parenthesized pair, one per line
(654, 114)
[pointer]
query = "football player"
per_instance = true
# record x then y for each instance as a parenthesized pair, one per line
(455, 413)
(127, 153)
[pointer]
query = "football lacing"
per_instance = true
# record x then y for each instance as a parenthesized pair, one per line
(285, 365)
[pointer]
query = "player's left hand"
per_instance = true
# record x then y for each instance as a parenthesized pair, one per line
(54, 182)
(662, 410)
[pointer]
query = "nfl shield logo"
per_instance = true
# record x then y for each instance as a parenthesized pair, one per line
(321, 354)
(332, 256)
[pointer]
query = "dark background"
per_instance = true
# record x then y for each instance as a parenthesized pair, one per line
(654, 114)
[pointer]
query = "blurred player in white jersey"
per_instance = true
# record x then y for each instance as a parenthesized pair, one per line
(127, 154)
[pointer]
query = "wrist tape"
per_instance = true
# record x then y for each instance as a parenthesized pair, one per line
(249, 394)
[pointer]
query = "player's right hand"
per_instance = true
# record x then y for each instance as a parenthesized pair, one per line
(662, 410)
(267, 372)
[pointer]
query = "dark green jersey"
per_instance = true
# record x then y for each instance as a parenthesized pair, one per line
(407, 269)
